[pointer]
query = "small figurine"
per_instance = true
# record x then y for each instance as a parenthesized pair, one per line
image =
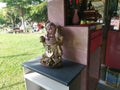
(90, 6)
(52, 42)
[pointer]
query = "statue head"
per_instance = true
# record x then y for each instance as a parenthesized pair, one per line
(50, 28)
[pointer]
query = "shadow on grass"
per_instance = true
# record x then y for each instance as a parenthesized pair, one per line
(25, 54)
(12, 85)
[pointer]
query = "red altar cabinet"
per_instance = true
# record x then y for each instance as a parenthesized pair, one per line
(113, 59)
(113, 50)
(82, 41)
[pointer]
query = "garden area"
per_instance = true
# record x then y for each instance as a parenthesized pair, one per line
(14, 50)
(21, 25)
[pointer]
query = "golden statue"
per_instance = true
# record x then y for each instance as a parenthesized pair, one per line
(52, 42)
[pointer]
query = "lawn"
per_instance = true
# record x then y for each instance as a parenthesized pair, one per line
(14, 50)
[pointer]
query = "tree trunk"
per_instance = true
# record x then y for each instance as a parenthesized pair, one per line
(23, 24)
(22, 19)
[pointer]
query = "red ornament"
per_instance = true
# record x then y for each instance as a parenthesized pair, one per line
(77, 1)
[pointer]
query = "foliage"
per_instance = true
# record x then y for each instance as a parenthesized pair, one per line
(14, 50)
(2, 20)
(11, 16)
(39, 12)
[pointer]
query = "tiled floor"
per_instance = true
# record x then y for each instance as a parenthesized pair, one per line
(103, 86)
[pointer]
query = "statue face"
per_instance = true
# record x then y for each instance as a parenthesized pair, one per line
(50, 29)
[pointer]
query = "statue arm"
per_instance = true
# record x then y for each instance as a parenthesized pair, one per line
(42, 39)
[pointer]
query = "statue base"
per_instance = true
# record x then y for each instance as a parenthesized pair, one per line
(47, 62)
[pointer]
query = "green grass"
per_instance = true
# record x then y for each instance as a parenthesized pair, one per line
(14, 50)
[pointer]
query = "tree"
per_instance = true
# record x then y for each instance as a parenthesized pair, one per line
(11, 16)
(20, 7)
